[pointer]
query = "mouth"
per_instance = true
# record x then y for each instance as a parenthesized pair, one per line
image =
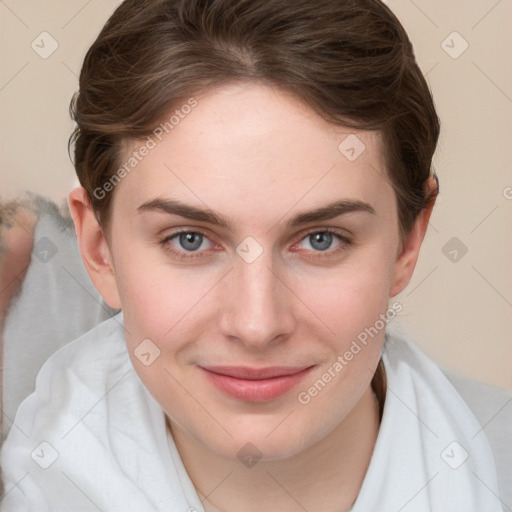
(255, 384)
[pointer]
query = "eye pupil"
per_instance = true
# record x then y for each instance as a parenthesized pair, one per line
(191, 241)
(324, 240)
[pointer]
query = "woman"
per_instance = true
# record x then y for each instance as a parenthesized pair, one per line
(256, 183)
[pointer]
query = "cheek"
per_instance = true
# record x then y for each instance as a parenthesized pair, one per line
(349, 304)
(350, 298)
(153, 296)
(169, 305)
(350, 308)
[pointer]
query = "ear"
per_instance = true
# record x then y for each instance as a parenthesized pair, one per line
(406, 261)
(93, 246)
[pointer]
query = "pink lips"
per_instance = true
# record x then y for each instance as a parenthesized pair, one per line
(255, 384)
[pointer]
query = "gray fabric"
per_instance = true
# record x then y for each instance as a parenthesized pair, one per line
(493, 408)
(57, 303)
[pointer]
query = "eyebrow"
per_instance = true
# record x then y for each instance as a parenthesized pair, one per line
(329, 211)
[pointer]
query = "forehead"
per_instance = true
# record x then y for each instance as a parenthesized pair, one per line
(259, 143)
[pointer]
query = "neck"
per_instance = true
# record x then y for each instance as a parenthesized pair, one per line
(325, 477)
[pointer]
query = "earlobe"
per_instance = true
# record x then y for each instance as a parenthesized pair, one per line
(94, 248)
(406, 261)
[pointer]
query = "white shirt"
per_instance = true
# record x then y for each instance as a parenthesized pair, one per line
(92, 437)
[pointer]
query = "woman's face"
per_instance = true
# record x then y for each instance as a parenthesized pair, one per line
(263, 275)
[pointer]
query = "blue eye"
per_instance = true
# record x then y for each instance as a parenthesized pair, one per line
(187, 246)
(322, 240)
(190, 241)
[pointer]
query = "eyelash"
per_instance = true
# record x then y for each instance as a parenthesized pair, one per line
(345, 242)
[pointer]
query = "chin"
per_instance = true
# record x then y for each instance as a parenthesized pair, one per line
(267, 440)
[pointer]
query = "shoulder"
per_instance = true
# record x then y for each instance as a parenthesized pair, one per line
(62, 422)
(76, 373)
(493, 409)
(490, 406)
(91, 424)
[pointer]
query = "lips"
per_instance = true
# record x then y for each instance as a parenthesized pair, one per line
(255, 384)
(243, 372)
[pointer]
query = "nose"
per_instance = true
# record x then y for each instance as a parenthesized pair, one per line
(258, 307)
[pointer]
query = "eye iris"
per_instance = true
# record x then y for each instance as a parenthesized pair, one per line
(324, 240)
(193, 239)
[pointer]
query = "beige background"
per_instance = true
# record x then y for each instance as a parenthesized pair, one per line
(458, 312)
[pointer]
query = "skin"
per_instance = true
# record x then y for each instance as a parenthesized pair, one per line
(257, 156)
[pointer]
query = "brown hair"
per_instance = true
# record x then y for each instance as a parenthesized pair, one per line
(349, 60)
